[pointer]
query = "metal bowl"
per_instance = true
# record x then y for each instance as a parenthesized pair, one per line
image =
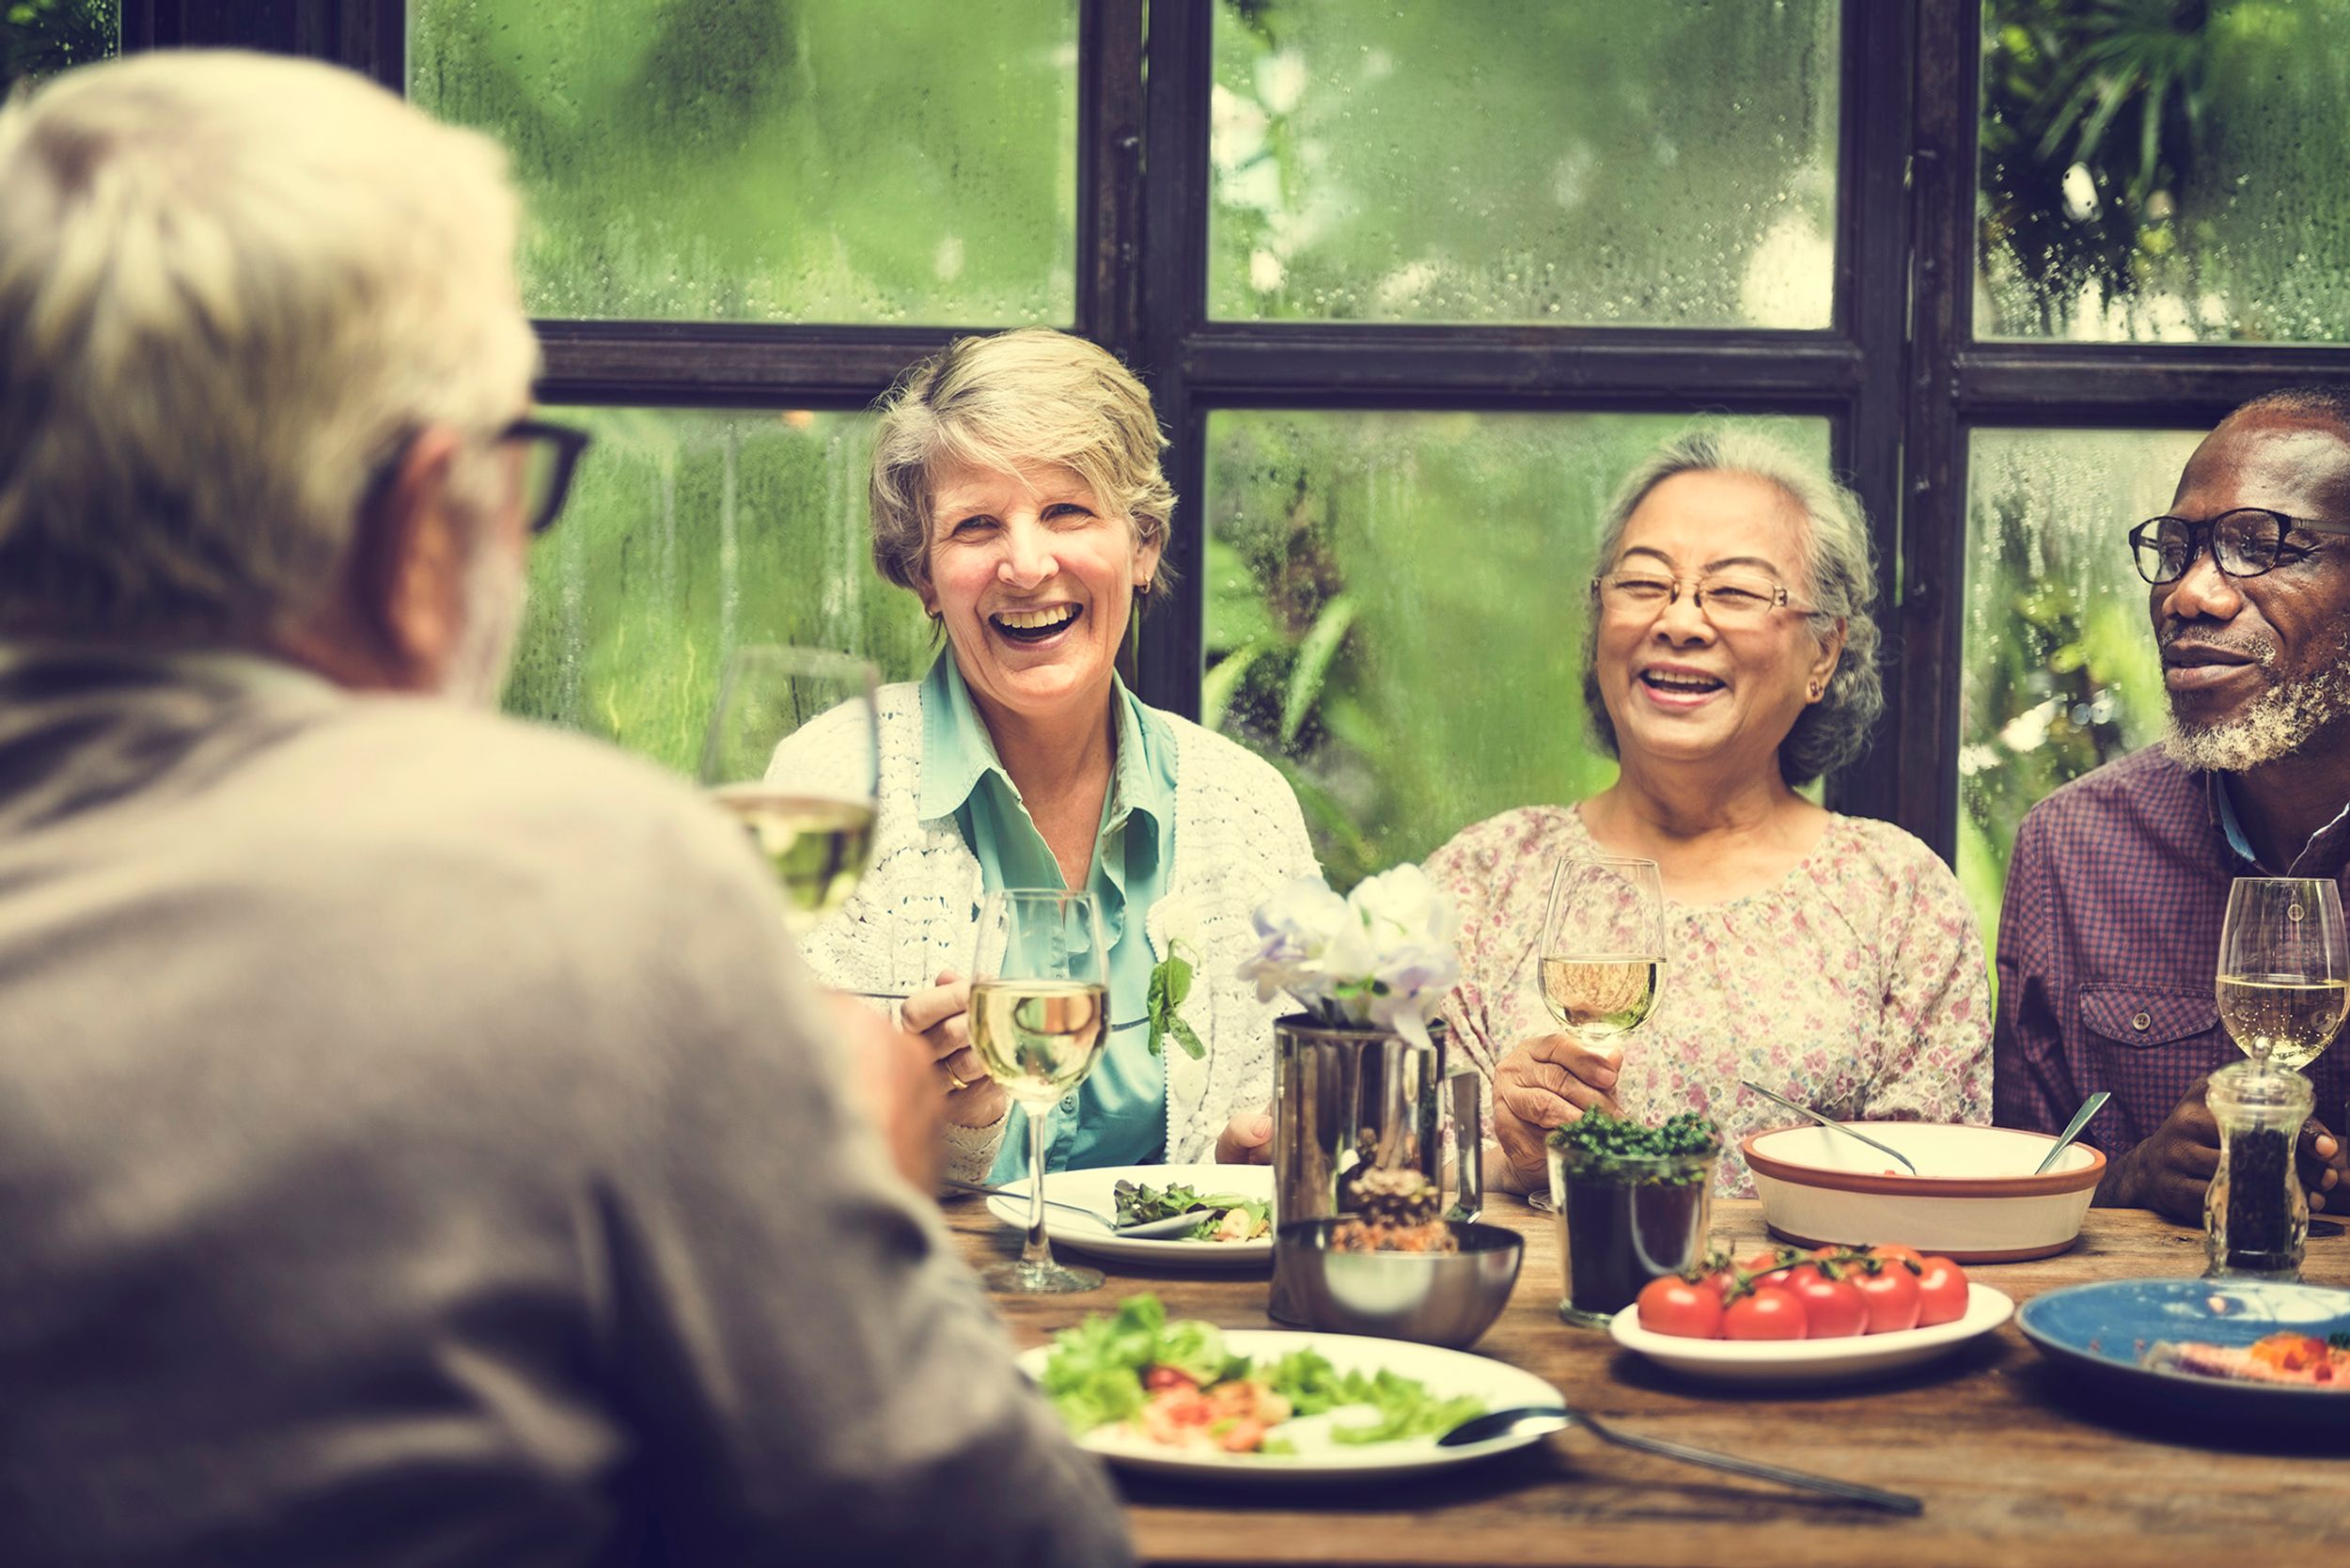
(1433, 1298)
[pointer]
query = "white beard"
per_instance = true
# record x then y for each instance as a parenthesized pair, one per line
(2279, 722)
(495, 590)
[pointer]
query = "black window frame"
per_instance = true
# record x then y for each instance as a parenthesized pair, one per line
(1897, 374)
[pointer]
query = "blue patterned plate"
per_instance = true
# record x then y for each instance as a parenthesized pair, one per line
(2103, 1331)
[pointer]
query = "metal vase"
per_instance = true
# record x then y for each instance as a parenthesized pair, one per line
(1345, 1096)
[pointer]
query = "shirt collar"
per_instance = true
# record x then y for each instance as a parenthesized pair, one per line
(2223, 811)
(958, 752)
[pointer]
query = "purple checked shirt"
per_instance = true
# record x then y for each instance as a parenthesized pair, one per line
(2109, 944)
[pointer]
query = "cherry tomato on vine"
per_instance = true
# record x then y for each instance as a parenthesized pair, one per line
(1672, 1305)
(1771, 1313)
(1942, 1292)
(1895, 1249)
(1833, 1309)
(1891, 1296)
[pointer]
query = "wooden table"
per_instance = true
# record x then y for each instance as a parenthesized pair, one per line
(2014, 1465)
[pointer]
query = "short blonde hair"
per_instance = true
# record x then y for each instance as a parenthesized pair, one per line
(231, 286)
(1840, 579)
(1025, 396)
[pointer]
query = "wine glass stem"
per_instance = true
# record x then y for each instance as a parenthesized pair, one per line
(1038, 1252)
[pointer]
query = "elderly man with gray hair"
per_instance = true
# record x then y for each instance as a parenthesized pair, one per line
(419, 1141)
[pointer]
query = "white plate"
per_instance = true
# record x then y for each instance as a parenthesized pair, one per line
(1446, 1373)
(1812, 1360)
(1094, 1188)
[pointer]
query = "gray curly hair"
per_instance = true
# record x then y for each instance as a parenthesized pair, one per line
(1028, 396)
(1841, 581)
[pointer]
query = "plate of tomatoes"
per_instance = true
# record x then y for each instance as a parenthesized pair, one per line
(1827, 1314)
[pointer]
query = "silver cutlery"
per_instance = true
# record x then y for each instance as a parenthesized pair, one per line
(1557, 1417)
(2073, 1128)
(1885, 1150)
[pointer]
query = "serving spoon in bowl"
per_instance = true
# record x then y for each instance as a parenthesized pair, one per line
(1558, 1417)
(2090, 1107)
(1886, 1150)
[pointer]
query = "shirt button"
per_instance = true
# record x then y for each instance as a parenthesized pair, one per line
(2141, 1022)
(1069, 1101)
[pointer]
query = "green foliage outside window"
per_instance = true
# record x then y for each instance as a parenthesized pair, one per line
(42, 37)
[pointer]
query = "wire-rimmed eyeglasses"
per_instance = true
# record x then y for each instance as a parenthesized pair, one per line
(2249, 541)
(1725, 599)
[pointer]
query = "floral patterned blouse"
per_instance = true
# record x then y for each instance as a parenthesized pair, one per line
(1855, 984)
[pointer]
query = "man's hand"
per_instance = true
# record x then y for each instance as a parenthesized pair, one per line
(2323, 1164)
(1246, 1139)
(1546, 1082)
(893, 1083)
(2168, 1172)
(941, 1016)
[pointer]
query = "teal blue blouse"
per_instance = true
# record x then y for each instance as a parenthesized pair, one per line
(1117, 1116)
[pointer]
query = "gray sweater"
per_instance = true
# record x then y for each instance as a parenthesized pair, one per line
(419, 1144)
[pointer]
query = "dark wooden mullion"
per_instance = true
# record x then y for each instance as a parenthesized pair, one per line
(1110, 113)
(727, 365)
(2124, 385)
(1280, 365)
(1872, 304)
(1179, 58)
(1923, 677)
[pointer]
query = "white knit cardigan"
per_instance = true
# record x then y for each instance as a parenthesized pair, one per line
(1239, 837)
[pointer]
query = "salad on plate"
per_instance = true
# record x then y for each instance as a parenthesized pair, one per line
(1224, 1216)
(1134, 1375)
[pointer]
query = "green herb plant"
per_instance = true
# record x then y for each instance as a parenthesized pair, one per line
(1609, 1148)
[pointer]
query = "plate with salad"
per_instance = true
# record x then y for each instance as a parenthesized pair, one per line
(1233, 1202)
(1186, 1398)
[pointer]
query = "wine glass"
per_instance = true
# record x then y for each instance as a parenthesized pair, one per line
(794, 752)
(1602, 953)
(2284, 969)
(1040, 993)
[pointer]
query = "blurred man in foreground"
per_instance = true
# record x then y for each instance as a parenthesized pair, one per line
(2110, 931)
(419, 1140)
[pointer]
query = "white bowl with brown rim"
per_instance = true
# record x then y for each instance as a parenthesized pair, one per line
(1975, 1199)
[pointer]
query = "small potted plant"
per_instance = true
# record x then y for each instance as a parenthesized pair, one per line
(1633, 1204)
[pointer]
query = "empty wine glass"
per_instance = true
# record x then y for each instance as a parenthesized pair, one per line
(1040, 995)
(794, 751)
(2284, 969)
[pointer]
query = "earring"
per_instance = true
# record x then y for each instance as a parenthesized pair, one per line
(1142, 589)
(1815, 691)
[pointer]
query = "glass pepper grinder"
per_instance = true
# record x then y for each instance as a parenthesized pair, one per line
(2255, 1216)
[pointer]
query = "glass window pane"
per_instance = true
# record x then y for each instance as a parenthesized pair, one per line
(2059, 674)
(777, 160)
(42, 37)
(1667, 164)
(1395, 607)
(2165, 173)
(690, 533)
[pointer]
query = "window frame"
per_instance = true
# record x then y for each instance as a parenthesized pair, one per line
(1897, 374)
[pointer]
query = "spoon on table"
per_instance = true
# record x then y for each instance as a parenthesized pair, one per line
(2073, 1128)
(900, 997)
(1885, 1150)
(1557, 1417)
(1174, 1225)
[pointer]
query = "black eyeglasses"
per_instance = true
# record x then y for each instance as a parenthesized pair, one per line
(550, 456)
(2249, 541)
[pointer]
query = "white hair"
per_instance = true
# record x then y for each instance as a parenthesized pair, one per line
(231, 286)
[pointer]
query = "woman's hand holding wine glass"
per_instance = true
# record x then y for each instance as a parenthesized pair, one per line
(940, 1014)
(1600, 967)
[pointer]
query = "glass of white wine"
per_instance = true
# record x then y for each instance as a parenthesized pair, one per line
(1039, 995)
(794, 752)
(1602, 953)
(2284, 969)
